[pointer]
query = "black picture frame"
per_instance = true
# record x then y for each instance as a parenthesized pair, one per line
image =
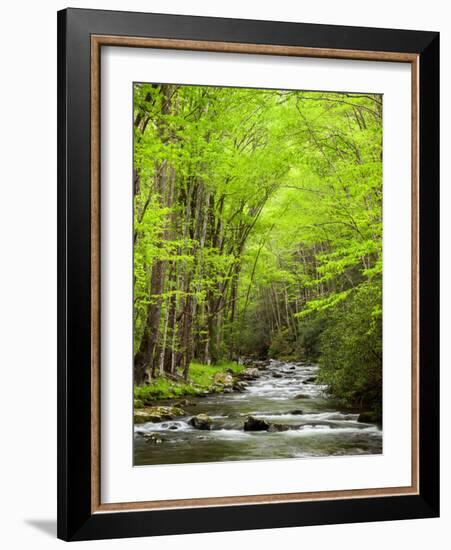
(76, 521)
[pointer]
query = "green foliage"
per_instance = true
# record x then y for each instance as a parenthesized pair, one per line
(351, 349)
(282, 346)
(308, 341)
(203, 375)
(163, 388)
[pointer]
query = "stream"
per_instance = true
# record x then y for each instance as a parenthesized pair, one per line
(284, 393)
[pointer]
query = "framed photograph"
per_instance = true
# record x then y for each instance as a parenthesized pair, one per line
(248, 274)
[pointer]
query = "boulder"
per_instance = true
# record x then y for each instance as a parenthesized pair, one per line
(296, 411)
(253, 424)
(201, 422)
(279, 427)
(302, 396)
(224, 378)
(239, 386)
(250, 374)
(277, 375)
(156, 414)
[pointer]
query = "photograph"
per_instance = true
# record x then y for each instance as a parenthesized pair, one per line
(257, 280)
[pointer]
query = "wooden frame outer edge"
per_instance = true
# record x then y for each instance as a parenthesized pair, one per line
(107, 40)
(95, 276)
(415, 271)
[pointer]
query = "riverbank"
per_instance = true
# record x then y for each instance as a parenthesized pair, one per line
(225, 377)
(203, 380)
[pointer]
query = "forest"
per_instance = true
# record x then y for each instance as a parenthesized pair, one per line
(258, 233)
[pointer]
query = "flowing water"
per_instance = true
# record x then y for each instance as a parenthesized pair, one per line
(284, 393)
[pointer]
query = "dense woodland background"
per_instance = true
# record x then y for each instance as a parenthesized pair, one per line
(258, 232)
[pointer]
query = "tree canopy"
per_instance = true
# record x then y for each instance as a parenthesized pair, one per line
(258, 231)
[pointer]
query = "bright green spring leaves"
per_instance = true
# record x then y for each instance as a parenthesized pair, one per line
(258, 229)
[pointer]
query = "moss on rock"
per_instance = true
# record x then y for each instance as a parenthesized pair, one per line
(157, 414)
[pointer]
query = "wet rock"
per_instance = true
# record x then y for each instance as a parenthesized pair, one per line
(292, 368)
(310, 380)
(156, 414)
(296, 411)
(302, 396)
(279, 427)
(239, 386)
(277, 375)
(250, 374)
(153, 438)
(201, 422)
(253, 424)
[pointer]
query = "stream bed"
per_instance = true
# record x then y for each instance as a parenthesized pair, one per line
(284, 393)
